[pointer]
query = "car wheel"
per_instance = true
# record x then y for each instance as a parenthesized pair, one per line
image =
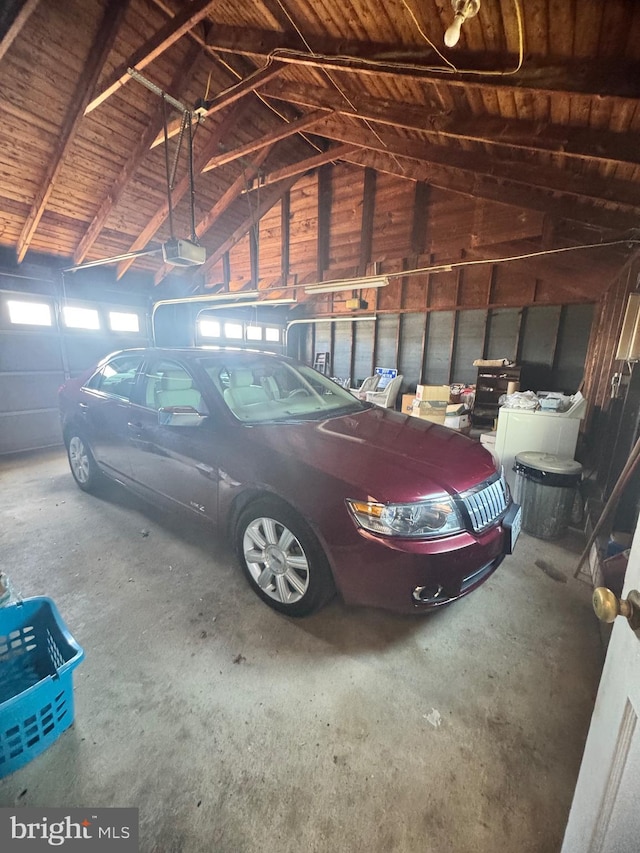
(282, 559)
(83, 466)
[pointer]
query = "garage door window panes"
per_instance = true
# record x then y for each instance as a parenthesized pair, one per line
(233, 331)
(120, 321)
(80, 318)
(210, 328)
(254, 333)
(117, 378)
(272, 334)
(29, 313)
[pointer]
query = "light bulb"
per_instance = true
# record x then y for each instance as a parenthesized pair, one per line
(452, 35)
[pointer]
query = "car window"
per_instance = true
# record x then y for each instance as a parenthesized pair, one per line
(117, 377)
(268, 389)
(167, 384)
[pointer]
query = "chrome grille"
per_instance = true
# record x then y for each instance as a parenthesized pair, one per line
(486, 503)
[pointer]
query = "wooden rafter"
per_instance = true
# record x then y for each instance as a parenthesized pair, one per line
(28, 7)
(333, 154)
(98, 53)
(224, 127)
(484, 187)
(479, 167)
(229, 96)
(181, 76)
(270, 197)
(277, 135)
(154, 47)
(604, 79)
(226, 199)
(197, 36)
(530, 136)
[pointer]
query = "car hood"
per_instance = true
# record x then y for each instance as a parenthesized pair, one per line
(382, 454)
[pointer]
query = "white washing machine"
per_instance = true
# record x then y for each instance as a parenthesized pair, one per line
(549, 432)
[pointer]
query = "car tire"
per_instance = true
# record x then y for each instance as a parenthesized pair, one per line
(282, 558)
(83, 466)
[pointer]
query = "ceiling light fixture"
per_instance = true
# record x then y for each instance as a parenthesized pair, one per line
(362, 283)
(230, 295)
(462, 9)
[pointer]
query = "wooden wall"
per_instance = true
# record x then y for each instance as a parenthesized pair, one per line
(549, 341)
(345, 221)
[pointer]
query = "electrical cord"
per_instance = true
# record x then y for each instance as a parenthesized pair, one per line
(470, 263)
(453, 68)
(409, 66)
(334, 83)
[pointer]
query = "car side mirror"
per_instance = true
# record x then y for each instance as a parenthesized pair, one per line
(180, 416)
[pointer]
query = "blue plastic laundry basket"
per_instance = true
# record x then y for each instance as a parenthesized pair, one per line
(37, 658)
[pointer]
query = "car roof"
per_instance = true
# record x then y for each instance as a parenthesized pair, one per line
(199, 352)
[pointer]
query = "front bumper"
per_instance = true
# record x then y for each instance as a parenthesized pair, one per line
(411, 576)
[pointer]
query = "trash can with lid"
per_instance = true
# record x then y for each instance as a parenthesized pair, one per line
(545, 487)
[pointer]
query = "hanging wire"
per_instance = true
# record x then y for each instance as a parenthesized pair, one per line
(192, 186)
(166, 164)
(333, 82)
(453, 68)
(390, 67)
(186, 116)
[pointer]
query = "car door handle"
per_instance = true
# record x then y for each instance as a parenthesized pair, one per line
(83, 406)
(135, 426)
(207, 470)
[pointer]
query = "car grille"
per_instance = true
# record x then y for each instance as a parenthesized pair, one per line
(486, 503)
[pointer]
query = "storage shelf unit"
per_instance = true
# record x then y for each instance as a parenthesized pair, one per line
(491, 384)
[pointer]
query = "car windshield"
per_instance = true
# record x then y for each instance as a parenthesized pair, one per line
(264, 389)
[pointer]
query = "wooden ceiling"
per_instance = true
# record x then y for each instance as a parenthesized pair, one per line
(293, 84)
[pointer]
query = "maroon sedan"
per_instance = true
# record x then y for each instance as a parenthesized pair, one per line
(317, 490)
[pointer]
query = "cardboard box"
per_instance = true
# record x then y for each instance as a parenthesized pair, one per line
(407, 404)
(433, 417)
(456, 409)
(433, 392)
(430, 410)
(459, 422)
(488, 440)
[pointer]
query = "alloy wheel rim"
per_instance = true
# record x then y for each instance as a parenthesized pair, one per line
(79, 459)
(276, 560)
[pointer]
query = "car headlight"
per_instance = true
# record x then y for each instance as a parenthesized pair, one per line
(422, 519)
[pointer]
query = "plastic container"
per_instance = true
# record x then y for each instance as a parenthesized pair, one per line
(37, 659)
(545, 487)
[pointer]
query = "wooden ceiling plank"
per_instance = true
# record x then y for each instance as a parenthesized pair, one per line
(280, 133)
(586, 190)
(278, 14)
(224, 99)
(98, 53)
(484, 188)
(233, 191)
(154, 47)
(220, 132)
(606, 78)
(17, 24)
(336, 152)
(267, 200)
(525, 134)
(182, 73)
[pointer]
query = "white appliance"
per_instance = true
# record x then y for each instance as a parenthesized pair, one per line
(548, 432)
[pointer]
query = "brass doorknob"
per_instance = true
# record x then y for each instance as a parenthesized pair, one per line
(607, 606)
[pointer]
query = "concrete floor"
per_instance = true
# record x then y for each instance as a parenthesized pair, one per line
(236, 730)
